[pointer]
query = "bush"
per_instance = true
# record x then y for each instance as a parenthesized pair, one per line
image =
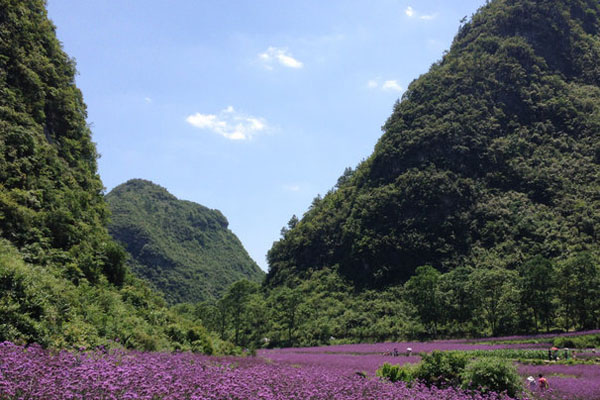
(438, 368)
(492, 375)
(442, 368)
(143, 341)
(394, 373)
(578, 342)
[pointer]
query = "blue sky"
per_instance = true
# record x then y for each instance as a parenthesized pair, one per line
(250, 107)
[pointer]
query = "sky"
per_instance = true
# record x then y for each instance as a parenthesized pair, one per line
(251, 107)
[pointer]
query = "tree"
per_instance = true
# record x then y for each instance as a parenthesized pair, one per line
(285, 305)
(496, 293)
(236, 303)
(579, 291)
(290, 225)
(422, 292)
(538, 280)
(256, 322)
(456, 299)
(348, 172)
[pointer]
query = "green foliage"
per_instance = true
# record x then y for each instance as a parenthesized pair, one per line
(538, 290)
(320, 310)
(578, 342)
(394, 373)
(22, 304)
(579, 290)
(181, 248)
(51, 203)
(442, 368)
(243, 304)
(486, 172)
(497, 295)
(489, 160)
(63, 280)
(509, 354)
(38, 305)
(492, 375)
(422, 293)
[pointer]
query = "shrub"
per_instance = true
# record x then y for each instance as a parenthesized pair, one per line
(442, 368)
(492, 375)
(438, 368)
(394, 373)
(143, 341)
(578, 342)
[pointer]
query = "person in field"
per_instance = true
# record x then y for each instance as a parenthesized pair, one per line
(531, 381)
(543, 382)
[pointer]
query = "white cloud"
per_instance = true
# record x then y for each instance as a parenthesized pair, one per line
(388, 86)
(277, 55)
(292, 188)
(391, 85)
(428, 17)
(411, 12)
(229, 123)
(148, 100)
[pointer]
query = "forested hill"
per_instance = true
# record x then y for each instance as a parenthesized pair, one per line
(63, 280)
(490, 158)
(184, 249)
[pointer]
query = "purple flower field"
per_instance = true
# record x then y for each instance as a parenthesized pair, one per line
(568, 381)
(417, 347)
(33, 373)
(343, 364)
(538, 336)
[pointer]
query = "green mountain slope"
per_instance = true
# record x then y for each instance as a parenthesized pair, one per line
(490, 158)
(184, 249)
(63, 280)
(50, 193)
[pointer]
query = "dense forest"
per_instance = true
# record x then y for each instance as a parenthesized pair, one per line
(490, 159)
(181, 248)
(467, 302)
(478, 212)
(63, 280)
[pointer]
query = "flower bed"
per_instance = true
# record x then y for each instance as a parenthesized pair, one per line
(33, 373)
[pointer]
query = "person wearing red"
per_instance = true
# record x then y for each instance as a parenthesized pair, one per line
(542, 382)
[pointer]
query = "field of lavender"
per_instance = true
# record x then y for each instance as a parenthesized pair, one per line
(341, 372)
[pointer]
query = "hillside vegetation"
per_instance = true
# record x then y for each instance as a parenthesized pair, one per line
(183, 249)
(478, 211)
(490, 158)
(63, 280)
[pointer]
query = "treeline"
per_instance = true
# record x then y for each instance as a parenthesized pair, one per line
(38, 305)
(541, 295)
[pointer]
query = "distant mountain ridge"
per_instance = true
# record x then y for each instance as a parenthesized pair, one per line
(183, 249)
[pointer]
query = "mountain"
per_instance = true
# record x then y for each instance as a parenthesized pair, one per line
(183, 249)
(63, 280)
(489, 159)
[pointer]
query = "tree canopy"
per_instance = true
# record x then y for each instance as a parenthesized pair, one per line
(490, 159)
